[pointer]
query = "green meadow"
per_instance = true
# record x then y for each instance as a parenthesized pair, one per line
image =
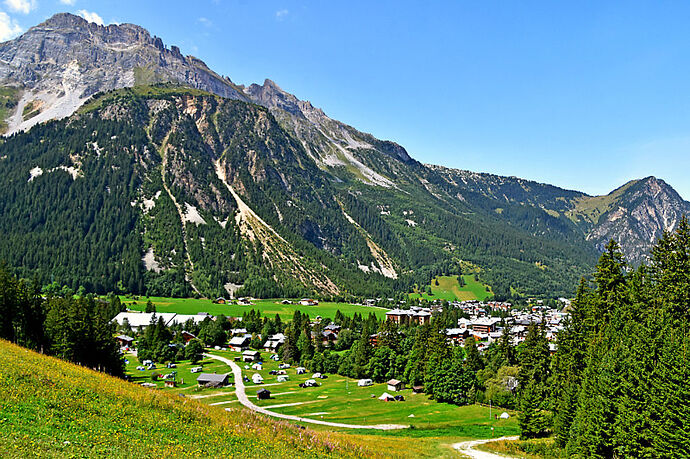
(433, 426)
(449, 289)
(51, 408)
(268, 307)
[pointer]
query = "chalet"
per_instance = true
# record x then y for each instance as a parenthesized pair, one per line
(485, 324)
(397, 315)
(332, 327)
(274, 342)
(457, 335)
(239, 343)
(170, 384)
(416, 315)
(186, 336)
(394, 385)
(263, 394)
(308, 302)
(327, 337)
(212, 379)
(251, 356)
(124, 340)
(421, 317)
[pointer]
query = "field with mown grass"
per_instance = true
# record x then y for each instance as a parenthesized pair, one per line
(449, 289)
(51, 408)
(267, 308)
(433, 426)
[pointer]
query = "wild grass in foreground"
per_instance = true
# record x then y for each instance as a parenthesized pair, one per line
(529, 449)
(51, 408)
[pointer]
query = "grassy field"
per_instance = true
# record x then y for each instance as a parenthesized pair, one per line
(433, 426)
(51, 408)
(449, 289)
(528, 449)
(266, 307)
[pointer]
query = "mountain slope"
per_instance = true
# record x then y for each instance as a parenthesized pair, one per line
(182, 184)
(51, 408)
(60, 63)
(635, 215)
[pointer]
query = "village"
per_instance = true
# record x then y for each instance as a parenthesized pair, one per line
(262, 372)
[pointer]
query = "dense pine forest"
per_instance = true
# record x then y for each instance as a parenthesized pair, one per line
(621, 385)
(135, 174)
(52, 320)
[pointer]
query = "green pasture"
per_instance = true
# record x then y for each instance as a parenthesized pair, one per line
(339, 399)
(449, 289)
(268, 307)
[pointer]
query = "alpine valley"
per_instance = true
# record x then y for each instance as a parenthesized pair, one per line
(127, 166)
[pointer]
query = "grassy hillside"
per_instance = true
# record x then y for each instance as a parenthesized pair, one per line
(50, 408)
(591, 208)
(449, 289)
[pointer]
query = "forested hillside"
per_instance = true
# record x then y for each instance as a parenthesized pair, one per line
(618, 385)
(172, 190)
(167, 191)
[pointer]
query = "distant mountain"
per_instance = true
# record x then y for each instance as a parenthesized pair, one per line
(635, 215)
(183, 184)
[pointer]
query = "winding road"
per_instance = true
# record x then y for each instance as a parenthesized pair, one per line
(242, 397)
(467, 448)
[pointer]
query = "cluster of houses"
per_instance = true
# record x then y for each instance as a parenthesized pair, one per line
(486, 329)
(241, 339)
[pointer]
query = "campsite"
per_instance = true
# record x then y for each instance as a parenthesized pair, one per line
(340, 399)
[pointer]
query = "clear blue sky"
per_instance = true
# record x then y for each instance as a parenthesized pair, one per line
(584, 95)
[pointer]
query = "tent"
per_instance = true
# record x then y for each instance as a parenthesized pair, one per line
(386, 397)
(257, 378)
(504, 415)
(283, 378)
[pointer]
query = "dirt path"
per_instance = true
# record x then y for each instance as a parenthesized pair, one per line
(467, 448)
(242, 397)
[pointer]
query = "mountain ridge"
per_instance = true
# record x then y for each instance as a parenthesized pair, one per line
(361, 205)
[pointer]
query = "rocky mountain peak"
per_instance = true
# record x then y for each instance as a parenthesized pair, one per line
(62, 62)
(636, 215)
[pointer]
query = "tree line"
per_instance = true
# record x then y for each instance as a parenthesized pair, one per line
(55, 322)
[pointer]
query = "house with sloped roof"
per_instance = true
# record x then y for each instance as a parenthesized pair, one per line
(212, 379)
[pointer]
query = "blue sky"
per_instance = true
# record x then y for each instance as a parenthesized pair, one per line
(584, 95)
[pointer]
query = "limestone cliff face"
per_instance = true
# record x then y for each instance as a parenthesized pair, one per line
(638, 216)
(59, 64)
(62, 62)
